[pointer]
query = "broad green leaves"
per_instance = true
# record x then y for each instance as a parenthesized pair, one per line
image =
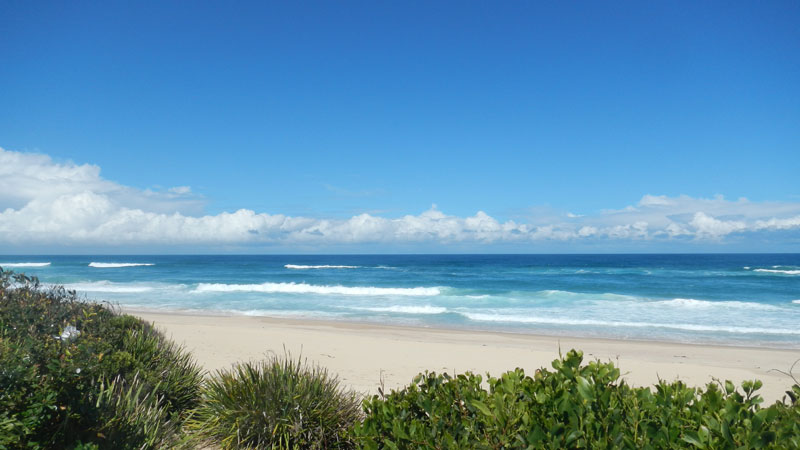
(575, 406)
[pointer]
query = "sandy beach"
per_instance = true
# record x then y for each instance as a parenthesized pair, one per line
(366, 356)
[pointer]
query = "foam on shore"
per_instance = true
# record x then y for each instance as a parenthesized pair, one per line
(422, 309)
(706, 304)
(481, 317)
(107, 286)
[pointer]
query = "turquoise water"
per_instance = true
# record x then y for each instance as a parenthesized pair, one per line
(728, 299)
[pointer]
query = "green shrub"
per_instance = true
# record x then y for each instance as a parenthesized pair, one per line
(57, 353)
(277, 403)
(574, 406)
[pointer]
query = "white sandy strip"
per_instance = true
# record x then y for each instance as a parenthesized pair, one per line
(363, 355)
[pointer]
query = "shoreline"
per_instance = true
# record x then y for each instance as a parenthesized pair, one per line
(367, 355)
(445, 328)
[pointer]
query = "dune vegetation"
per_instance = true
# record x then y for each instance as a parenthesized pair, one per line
(81, 375)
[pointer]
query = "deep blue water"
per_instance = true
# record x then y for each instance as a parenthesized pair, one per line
(747, 299)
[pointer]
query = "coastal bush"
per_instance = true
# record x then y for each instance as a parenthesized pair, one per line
(573, 406)
(77, 374)
(277, 403)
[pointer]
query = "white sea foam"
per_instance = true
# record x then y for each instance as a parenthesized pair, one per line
(746, 267)
(691, 303)
(25, 264)
(584, 295)
(302, 288)
(284, 313)
(424, 309)
(482, 317)
(102, 265)
(785, 272)
(478, 296)
(107, 286)
(796, 301)
(325, 266)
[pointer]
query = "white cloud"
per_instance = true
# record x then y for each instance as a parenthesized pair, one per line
(28, 177)
(778, 224)
(707, 226)
(655, 200)
(180, 190)
(43, 202)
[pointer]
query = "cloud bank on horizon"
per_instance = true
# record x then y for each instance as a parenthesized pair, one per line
(46, 203)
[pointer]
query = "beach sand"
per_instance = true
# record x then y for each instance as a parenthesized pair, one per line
(366, 355)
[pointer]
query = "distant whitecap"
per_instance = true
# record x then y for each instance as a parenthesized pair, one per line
(325, 266)
(785, 272)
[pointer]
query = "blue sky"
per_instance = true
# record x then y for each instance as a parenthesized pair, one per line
(558, 115)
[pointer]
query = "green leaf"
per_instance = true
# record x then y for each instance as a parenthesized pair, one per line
(694, 439)
(573, 436)
(585, 389)
(480, 406)
(729, 387)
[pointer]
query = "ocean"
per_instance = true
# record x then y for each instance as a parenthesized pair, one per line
(728, 299)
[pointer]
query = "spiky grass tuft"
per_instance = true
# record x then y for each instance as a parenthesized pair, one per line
(281, 402)
(133, 416)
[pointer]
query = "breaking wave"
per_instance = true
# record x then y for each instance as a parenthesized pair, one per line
(303, 288)
(25, 264)
(325, 266)
(102, 265)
